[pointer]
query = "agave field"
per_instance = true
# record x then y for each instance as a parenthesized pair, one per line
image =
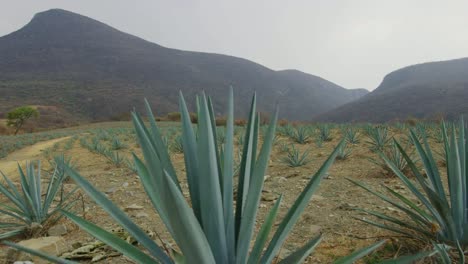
(369, 185)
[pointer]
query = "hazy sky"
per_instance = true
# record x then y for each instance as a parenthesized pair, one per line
(353, 43)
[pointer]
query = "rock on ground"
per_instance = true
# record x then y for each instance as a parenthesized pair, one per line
(52, 245)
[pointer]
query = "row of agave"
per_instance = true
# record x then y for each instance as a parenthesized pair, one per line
(215, 227)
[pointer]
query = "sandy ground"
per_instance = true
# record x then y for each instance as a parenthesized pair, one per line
(9, 164)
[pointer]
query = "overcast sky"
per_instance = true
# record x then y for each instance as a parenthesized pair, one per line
(353, 43)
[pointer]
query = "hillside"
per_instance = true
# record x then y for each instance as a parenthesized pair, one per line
(96, 72)
(428, 90)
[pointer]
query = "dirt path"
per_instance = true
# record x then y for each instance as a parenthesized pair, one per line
(9, 165)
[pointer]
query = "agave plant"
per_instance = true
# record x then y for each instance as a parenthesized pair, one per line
(240, 140)
(30, 210)
(294, 158)
(178, 146)
(396, 157)
(351, 135)
(443, 217)
(220, 136)
(211, 230)
(131, 165)
(301, 135)
(117, 144)
(344, 152)
(283, 146)
(287, 131)
(324, 132)
(378, 137)
(438, 135)
(114, 157)
(318, 141)
(69, 143)
(59, 162)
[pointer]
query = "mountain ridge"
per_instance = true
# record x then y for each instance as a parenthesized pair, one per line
(80, 62)
(428, 90)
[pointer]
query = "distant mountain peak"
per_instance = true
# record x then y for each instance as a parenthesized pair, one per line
(55, 12)
(65, 17)
(62, 21)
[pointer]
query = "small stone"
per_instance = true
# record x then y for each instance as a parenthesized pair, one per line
(314, 230)
(269, 197)
(133, 207)
(317, 197)
(142, 215)
(125, 184)
(52, 245)
(284, 253)
(111, 190)
(98, 257)
(347, 206)
(57, 230)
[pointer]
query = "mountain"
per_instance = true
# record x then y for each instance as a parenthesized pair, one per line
(425, 91)
(96, 72)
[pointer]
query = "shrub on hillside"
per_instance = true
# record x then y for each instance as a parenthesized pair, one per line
(173, 116)
(240, 122)
(221, 121)
(283, 122)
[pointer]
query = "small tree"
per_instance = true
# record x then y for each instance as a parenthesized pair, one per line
(18, 116)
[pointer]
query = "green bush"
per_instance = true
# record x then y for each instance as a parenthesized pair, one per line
(18, 116)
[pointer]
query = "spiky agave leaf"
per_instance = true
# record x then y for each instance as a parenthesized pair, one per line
(443, 217)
